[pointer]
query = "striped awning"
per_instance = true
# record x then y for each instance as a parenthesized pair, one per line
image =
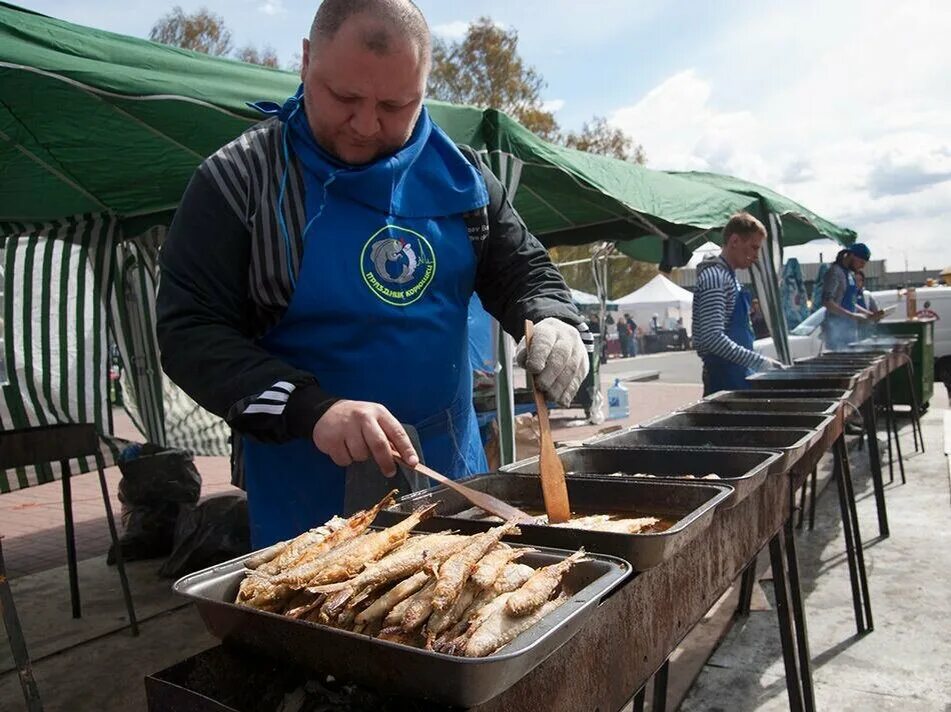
(55, 332)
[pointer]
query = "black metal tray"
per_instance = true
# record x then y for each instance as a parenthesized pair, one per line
(827, 393)
(691, 504)
(802, 380)
(393, 667)
(751, 420)
(790, 443)
(774, 405)
(744, 471)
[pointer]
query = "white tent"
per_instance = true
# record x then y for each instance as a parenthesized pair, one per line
(584, 299)
(659, 296)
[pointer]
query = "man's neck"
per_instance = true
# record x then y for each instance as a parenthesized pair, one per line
(724, 255)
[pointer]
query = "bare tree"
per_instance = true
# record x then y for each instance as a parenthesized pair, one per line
(201, 31)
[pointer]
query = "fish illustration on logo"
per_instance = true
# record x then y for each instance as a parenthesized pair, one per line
(398, 264)
(394, 259)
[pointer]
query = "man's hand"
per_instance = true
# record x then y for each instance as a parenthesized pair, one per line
(354, 431)
(557, 358)
(878, 316)
(771, 364)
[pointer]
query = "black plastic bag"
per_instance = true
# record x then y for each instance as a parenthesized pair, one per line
(156, 484)
(216, 530)
(152, 474)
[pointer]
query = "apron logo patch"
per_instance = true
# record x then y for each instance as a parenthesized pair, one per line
(397, 265)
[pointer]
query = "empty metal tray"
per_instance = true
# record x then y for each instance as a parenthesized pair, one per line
(827, 393)
(774, 405)
(744, 471)
(393, 667)
(689, 504)
(790, 443)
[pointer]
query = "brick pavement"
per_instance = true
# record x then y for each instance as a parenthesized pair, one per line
(31, 520)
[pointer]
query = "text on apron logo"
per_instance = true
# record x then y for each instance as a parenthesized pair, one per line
(397, 265)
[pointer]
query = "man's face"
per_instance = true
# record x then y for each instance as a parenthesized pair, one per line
(745, 250)
(859, 281)
(362, 105)
(857, 263)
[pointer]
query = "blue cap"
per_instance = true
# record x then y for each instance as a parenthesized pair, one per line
(860, 250)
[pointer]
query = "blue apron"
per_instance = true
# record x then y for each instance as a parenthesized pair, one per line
(379, 313)
(720, 374)
(839, 331)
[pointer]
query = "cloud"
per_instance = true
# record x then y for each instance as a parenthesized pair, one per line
(553, 105)
(272, 7)
(452, 31)
(900, 172)
(824, 115)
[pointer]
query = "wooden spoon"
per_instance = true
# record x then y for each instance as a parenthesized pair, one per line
(490, 504)
(550, 467)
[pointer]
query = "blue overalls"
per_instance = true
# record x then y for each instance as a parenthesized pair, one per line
(718, 373)
(839, 331)
(379, 314)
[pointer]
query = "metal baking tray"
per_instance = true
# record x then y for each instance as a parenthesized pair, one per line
(690, 504)
(827, 393)
(748, 420)
(790, 443)
(394, 667)
(774, 405)
(744, 471)
(877, 364)
(806, 380)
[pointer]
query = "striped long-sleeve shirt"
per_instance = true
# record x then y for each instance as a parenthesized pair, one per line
(713, 304)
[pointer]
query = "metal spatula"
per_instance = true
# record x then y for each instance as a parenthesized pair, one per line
(490, 504)
(550, 467)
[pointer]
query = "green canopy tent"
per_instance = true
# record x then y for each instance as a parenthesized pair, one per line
(788, 223)
(99, 134)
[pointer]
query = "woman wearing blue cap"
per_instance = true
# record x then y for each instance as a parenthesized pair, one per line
(840, 298)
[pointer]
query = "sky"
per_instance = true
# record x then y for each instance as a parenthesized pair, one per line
(842, 105)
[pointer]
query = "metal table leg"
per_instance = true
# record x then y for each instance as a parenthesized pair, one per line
(21, 656)
(786, 628)
(892, 424)
(660, 687)
(70, 540)
(853, 539)
(747, 581)
(120, 561)
(915, 405)
(799, 618)
(875, 463)
(812, 498)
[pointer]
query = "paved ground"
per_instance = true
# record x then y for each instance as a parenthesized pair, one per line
(31, 520)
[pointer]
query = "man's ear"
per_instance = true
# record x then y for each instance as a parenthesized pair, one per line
(304, 58)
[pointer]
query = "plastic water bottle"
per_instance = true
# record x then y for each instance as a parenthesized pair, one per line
(617, 401)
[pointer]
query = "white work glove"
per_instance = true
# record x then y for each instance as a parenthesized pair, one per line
(557, 359)
(771, 364)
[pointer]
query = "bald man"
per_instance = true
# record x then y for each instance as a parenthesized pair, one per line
(316, 277)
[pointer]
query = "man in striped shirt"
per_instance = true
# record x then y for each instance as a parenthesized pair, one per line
(723, 335)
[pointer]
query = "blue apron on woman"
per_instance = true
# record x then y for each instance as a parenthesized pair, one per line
(839, 331)
(718, 373)
(379, 313)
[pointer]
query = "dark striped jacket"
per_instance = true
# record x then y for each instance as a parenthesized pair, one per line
(225, 280)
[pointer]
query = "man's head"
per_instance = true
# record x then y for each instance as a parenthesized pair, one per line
(754, 304)
(857, 256)
(743, 237)
(364, 69)
(860, 279)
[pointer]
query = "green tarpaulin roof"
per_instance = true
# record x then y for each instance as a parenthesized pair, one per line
(92, 121)
(800, 225)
